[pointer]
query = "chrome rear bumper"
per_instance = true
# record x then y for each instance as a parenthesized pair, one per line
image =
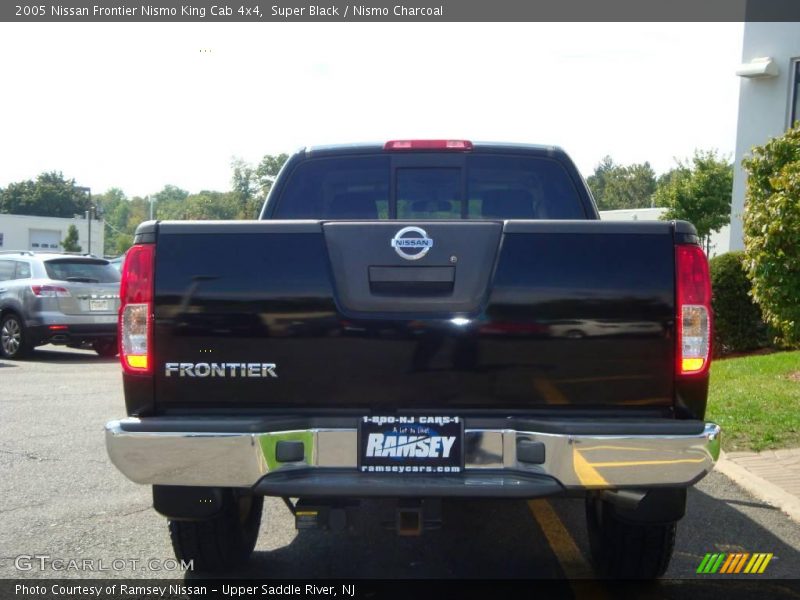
(574, 460)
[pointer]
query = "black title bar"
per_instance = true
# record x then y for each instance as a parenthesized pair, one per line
(744, 588)
(399, 10)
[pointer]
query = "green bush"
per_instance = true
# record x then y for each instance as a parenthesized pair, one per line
(738, 325)
(772, 232)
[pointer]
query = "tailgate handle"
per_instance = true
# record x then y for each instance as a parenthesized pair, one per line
(411, 280)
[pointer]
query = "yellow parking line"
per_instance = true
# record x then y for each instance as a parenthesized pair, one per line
(586, 473)
(569, 556)
(564, 547)
(641, 401)
(606, 378)
(551, 394)
(632, 463)
(625, 448)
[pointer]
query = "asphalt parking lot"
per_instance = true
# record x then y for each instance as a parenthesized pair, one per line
(60, 497)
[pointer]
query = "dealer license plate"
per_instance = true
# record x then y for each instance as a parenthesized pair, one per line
(411, 444)
(99, 305)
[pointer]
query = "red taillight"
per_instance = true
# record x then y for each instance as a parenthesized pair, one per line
(693, 322)
(428, 145)
(50, 291)
(58, 327)
(136, 310)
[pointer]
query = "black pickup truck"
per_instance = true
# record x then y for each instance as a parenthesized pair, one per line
(413, 321)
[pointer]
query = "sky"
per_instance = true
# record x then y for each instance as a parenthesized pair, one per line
(141, 105)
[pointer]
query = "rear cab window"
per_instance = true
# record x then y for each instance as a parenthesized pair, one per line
(429, 185)
(351, 187)
(81, 270)
(519, 187)
(429, 193)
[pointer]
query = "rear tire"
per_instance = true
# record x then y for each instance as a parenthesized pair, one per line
(625, 549)
(14, 340)
(106, 348)
(222, 542)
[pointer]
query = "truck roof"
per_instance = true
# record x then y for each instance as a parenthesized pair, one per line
(364, 147)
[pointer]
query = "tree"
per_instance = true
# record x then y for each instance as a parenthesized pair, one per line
(738, 324)
(597, 180)
(698, 191)
(630, 187)
(616, 186)
(251, 185)
(116, 209)
(70, 243)
(122, 215)
(168, 203)
(49, 196)
(204, 205)
(772, 232)
(243, 183)
(666, 178)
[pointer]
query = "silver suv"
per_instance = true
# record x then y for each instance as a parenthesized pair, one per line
(57, 299)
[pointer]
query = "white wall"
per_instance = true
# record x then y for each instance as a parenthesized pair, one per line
(16, 230)
(719, 240)
(764, 103)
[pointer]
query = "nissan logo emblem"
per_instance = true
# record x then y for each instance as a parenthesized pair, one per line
(413, 239)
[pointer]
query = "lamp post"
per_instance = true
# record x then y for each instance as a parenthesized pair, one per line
(88, 191)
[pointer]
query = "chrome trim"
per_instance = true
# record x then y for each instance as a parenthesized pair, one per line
(577, 461)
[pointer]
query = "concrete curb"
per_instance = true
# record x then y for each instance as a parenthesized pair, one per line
(760, 487)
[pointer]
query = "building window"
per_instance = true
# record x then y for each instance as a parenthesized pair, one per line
(1, 240)
(795, 95)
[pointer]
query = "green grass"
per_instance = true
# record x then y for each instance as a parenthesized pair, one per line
(755, 402)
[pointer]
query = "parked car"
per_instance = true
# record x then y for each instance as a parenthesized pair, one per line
(50, 298)
(117, 262)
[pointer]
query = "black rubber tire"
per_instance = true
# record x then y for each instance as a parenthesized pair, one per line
(106, 348)
(223, 542)
(623, 549)
(12, 326)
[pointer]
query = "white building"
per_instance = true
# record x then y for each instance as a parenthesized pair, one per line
(22, 232)
(769, 99)
(717, 245)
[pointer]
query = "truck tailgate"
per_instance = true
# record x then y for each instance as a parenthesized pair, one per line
(497, 315)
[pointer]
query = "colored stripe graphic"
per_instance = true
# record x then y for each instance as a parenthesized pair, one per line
(742, 560)
(702, 567)
(766, 562)
(711, 563)
(734, 563)
(728, 563)
(757, 564)
(749, 567)
(718, 564)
